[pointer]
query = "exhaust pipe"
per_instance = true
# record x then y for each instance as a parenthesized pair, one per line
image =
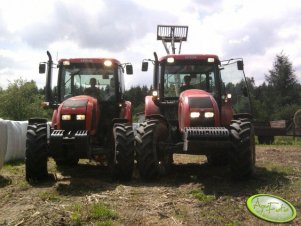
(48, 90)
(156, 71)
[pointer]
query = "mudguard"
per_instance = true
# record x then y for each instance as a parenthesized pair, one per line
(55, 120)
(150, 107)
(127, 111)
(227, 112)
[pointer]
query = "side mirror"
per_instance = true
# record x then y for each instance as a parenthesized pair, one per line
(42, 68)
(129, 69)
(240, 65)
(144, 66)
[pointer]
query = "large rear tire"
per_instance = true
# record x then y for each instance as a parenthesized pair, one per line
(36, 152)
(242, 156)
(152, 162)
(122, 158)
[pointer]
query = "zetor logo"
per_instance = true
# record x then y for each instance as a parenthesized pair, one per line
(271, 208)
(86, 61)
(190, 57)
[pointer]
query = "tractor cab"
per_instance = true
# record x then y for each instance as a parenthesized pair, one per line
(186, 77)
(99, 78)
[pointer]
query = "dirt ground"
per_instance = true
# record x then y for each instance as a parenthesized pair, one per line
(195, 193)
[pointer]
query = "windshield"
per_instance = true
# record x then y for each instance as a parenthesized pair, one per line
(178, 78)
(234, 83)
(83, 79)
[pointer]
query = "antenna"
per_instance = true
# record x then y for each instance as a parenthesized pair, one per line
(172, 34)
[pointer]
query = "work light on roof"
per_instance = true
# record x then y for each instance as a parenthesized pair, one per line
(66, 62)
(170, 60)
(210, 60)
(108, 63)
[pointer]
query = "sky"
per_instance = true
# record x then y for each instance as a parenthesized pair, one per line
(255, 30)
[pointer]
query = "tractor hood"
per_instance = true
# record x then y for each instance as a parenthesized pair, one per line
(77, 113)
(197, 108)
(75, 103)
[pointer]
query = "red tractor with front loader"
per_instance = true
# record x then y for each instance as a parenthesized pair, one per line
(199, 106)
(91, 119)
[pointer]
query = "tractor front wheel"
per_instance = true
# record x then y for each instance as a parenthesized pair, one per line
(36, 152)
(122, 157)
(242, 155)
(152, 162)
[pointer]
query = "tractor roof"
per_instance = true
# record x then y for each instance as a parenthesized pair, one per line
(190, 57)
(89, 60)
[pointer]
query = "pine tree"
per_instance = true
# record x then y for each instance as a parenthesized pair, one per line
(283, 81)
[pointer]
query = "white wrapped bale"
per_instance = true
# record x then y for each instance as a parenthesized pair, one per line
(3, 141)
(16, 140)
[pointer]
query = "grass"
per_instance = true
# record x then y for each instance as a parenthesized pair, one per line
(198, 194)
(100, 213)
(49, 196)
(284, 140)
(287, 141)
(13, 166)
(76, 213)
(287, 169)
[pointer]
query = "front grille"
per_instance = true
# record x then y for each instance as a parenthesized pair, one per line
(73, 124)
(198, 133)
(202, 122)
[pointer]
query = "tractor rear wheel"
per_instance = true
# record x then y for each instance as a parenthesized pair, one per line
(152, 162)
(36, 152)
(242, 155)
(122, 157)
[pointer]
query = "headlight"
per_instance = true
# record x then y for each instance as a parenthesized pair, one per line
(195, 114)
(80, 117)
(66, 117)
(155, 93)
(209, 115)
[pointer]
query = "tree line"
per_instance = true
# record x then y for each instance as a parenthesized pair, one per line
(278, 97)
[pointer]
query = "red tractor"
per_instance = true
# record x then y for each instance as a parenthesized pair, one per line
(199, 106)
(91, 119)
